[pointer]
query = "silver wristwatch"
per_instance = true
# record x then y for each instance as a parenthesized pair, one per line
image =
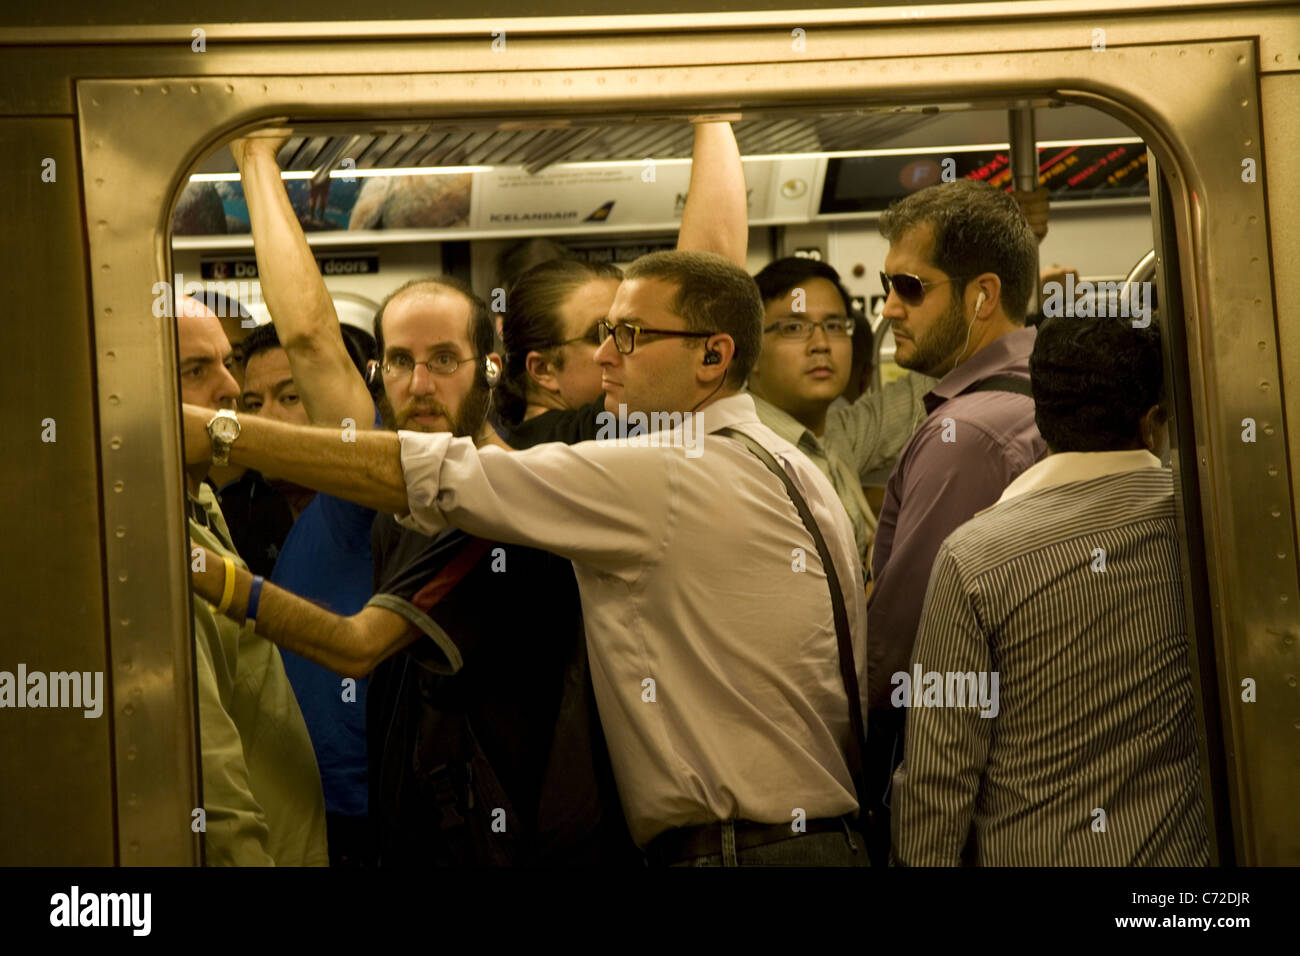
(223, 429)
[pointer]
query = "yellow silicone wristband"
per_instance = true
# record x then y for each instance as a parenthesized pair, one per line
(228, 592)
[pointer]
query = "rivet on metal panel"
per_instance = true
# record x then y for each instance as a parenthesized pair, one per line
(131, 752)
(99, 182)
(120, 531)
(1210, 52)
(1262, 344)
(1245, 102)
(1281, 555)
(121, 576)
(124, 622)
(1182, 53)
(1268, 429)
(137, 90)
(128, 665)
(129, 709)
(114, 400)
(133, 801)
(1263, 386)
(1282, 598)
(1275, 511)
(115, 444)
(230, 88)
(194, 87)
(108, 310)
(1290, 679)
(119, 486)
(1241, 59)
(164, 90)
(1272, 471)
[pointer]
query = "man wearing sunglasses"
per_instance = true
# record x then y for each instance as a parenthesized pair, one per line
(710, 624)
(958, 278)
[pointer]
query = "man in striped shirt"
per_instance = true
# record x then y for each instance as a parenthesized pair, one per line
(1052, 713)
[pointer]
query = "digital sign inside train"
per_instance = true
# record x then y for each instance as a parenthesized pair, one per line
(1080, 172)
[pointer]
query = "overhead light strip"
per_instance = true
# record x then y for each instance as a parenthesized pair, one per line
(617, 163)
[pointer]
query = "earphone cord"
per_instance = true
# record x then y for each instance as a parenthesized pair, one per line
(721, 382)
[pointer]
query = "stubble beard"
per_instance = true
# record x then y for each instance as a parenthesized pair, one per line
(940, 345)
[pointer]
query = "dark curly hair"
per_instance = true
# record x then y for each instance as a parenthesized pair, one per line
(1093, 379)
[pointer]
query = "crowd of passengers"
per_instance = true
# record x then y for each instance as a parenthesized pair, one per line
(442, 619)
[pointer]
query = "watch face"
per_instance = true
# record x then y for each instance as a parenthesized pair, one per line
(227, 429)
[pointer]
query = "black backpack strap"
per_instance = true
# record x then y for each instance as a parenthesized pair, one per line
(1001, 383)
(848, 671)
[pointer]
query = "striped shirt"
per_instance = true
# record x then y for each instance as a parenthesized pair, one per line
(1069, 590)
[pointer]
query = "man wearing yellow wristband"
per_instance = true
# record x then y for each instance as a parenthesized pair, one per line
(261, 788)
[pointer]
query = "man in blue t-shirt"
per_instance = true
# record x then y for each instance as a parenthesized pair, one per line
(325, 559)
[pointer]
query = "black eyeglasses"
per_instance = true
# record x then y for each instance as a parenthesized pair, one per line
(591, 338)
(801, 330)
(911, 289)
(625, 334)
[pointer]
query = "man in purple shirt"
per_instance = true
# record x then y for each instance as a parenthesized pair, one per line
(958, 277)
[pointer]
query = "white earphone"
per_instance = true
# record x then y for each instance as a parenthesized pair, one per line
(979, 301)
(491, 372)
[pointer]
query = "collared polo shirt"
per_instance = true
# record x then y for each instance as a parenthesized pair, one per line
(708, 619)
(968, 449)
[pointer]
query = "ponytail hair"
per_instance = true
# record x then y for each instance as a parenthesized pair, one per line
(532, 323)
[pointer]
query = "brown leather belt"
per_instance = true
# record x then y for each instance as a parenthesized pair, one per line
(686, 843)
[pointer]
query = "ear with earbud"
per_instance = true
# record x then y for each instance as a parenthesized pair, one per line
(979, 303)
(712, 358)
(372, 372)
(491, 371)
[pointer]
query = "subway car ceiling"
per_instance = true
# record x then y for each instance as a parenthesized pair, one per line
(613, 187)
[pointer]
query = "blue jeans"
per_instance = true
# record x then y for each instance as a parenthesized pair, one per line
(810, 849)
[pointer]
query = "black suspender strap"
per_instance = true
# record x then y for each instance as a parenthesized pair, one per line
(1001, 383)
(848, 671)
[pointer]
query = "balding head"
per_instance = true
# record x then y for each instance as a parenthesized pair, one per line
(205, 356)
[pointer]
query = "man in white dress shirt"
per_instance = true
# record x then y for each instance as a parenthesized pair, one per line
(709, 618)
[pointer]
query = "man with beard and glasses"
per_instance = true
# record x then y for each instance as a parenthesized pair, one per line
(958, 278)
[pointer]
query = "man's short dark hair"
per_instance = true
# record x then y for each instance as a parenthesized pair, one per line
(1093, 379)
(977, 229)
(713, 295)
(777, 278)
(261, 339)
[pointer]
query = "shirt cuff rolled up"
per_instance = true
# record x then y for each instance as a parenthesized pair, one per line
(422, 457)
